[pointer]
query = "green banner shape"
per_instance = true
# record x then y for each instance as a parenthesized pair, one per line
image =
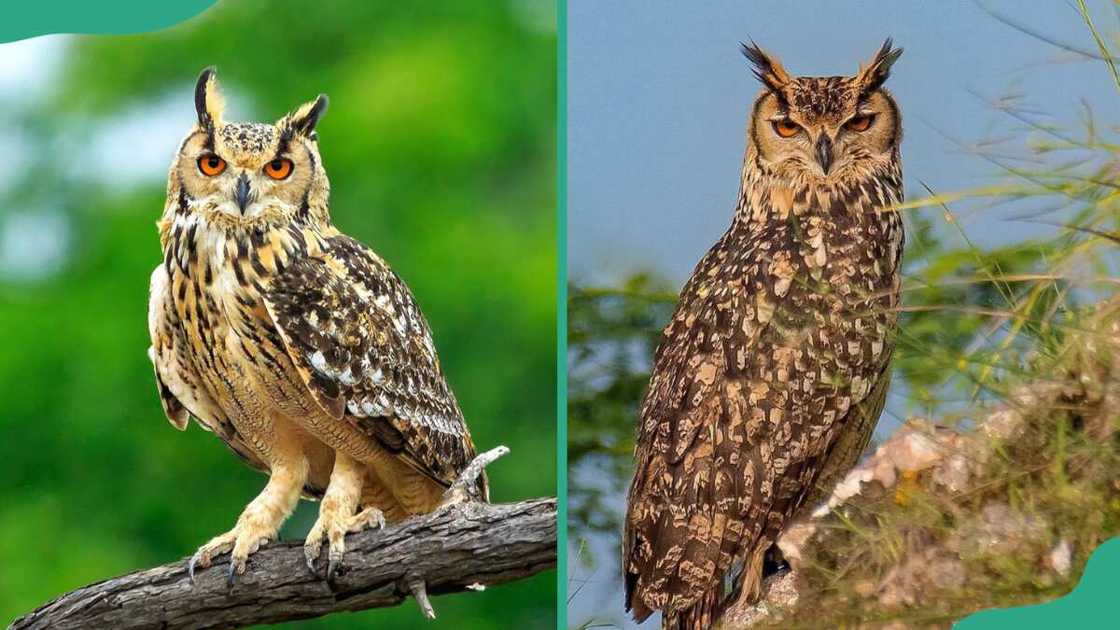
(1089, 605)
(29, 19)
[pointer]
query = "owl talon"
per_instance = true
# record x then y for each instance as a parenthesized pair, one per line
(231, 574)
(311, 554)
(205, 554)
(334, 564)
(240, 542)
(197, 561)
(370, 517)
(332, 528)
(313, 545)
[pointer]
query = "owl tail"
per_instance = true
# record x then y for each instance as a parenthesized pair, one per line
(710, 607)
(700, 616)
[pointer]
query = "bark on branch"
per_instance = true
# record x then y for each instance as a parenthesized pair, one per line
(463, 547)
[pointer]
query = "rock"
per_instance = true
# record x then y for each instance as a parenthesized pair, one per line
(1060, 558)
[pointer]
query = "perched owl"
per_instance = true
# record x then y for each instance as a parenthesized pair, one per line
(295, 344)
(772, 373)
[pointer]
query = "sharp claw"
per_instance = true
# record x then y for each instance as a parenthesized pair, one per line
(311, 554)
(231, 575)
(200, 559)
(334, 564)
(234, 543)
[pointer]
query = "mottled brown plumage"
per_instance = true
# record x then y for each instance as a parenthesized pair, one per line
(772, 373)
(295, 344)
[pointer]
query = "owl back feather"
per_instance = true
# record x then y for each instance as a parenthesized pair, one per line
(364, 349)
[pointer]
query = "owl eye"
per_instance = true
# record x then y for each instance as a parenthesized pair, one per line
(278, 169)
(860, 123)
(786, 128)
(211, 165)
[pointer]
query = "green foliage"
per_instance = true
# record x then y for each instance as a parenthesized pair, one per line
(956, 300)
(611, 336)
(440, 145)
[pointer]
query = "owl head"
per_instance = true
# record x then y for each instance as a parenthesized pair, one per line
(824, 128)
(245, 173)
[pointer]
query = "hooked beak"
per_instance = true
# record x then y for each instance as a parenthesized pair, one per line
(242, 193)
(824, 152)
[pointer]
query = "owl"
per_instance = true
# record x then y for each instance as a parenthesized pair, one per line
(295, 344)
(771, 375)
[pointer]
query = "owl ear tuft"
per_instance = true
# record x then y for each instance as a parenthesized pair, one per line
(766, 67)
(872, 75)
(303, 120)
(208, 101)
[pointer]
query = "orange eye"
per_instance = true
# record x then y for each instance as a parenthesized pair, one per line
(278, 169)
(211, 165)
(860, 123)
(785, 128)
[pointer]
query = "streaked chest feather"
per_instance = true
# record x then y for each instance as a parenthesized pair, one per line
(789, 317)
(218, 278)
(797, 262)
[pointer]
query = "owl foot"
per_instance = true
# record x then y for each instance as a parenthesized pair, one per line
(259, 521)
(244, 539)
(334, 525)
(465, 488)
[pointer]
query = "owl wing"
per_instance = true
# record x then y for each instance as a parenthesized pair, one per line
(720, 460)
(363, 348)
(851, 443)
(181, 391)
(682, 505)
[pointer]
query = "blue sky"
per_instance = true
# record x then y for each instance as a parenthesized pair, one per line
(658, 95)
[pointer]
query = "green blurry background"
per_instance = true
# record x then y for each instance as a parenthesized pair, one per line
(440, 145)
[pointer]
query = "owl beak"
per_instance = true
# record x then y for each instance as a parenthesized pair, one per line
(824, 152)
(242, 193)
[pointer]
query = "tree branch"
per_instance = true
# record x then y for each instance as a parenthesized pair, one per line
(463, 547)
